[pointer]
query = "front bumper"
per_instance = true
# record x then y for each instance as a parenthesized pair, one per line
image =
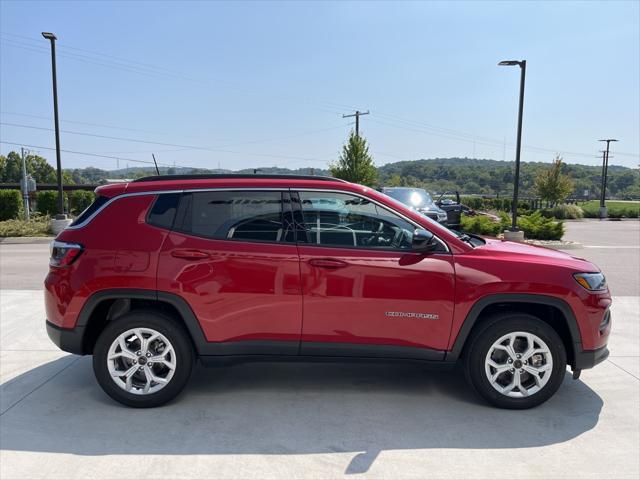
(67, 339)
(590, 358)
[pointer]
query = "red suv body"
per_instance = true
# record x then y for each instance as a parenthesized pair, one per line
(251, 267)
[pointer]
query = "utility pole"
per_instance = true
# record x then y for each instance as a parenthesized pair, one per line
(357, 115)
(605, 171)
(25, 185)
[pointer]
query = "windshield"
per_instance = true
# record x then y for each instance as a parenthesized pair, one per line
(413, 197)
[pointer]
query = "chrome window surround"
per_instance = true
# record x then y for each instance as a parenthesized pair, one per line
(253, 189)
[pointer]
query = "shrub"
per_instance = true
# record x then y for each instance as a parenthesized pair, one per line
(47, 202)
(480, 225)
(79, 200)
(38, 226)
(537, 227)
(10, 204)
(563, 212)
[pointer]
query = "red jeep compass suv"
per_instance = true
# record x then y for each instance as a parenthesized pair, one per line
(165, 270)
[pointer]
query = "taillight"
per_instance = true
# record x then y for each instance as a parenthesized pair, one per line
(64, 254)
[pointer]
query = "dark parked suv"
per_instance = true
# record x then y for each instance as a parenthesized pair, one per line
(165, 270)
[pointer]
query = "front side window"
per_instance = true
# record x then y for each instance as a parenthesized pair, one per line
(249, 216)
(343, 220)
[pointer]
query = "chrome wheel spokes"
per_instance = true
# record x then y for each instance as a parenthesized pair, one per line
(141, 361)
(518, 364)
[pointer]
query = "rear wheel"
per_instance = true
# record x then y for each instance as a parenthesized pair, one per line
(143, 359)
(515, 361)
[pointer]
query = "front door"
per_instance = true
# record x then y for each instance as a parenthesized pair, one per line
(365, 293)
(232, 256)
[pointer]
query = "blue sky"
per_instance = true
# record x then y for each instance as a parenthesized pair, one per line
(254, 84)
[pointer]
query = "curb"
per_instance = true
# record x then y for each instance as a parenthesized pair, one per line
(25, 240)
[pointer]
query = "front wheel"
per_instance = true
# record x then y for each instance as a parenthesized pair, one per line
(515, 361)
(143, 359)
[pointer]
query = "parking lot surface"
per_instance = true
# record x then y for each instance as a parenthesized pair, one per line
(314, 420)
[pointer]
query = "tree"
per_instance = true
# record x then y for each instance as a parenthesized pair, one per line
(37, 166)
(552, 185)
(395, 180)
(355, 163)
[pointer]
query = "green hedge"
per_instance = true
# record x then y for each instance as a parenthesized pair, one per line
(614, 209)
(535, 226)
(496, 204)
(483, 225)
(79, 200)
(563, 212)
(10, 204)
(47, 202)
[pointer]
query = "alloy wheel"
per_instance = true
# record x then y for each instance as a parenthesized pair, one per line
(141, 361)
(519, 364)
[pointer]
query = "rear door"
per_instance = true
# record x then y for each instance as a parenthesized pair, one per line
(365, 292)
(232, 256)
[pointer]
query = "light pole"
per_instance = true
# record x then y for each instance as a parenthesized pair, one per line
(52, 38)
(516, 181)
(605, 171)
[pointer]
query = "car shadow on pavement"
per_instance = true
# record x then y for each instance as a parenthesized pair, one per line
(286, 408)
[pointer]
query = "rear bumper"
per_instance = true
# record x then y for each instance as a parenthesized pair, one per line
(67, 339)
(590, 358)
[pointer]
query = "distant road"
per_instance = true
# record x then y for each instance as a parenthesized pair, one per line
(613, 246)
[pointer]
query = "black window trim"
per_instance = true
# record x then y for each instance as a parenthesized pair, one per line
(384, 207)
(177, 225)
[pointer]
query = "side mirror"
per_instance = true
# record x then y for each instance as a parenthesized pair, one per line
(423, 241)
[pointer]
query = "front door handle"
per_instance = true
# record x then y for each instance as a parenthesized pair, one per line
(189, 254)
(327, 263)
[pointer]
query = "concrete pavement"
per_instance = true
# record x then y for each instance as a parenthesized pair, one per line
(308, 420)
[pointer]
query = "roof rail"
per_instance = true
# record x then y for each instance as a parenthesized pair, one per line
(158, 178)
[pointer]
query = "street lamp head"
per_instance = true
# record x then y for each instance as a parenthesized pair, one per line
(509, 63)
(608, 140)
(49, 36)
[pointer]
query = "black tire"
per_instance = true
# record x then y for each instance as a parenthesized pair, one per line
(488, 332)
(174, 333)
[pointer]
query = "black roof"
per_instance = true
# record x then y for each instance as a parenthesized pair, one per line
(157, 178)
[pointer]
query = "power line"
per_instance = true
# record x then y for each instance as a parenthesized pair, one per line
(154, 70)
(137, 67)
(89, 124)
(187, 147)
(75, 152)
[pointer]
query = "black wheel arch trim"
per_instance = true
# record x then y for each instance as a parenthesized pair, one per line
(501, 298)
(176, 301)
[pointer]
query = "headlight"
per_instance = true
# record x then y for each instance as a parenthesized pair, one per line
(591, 281)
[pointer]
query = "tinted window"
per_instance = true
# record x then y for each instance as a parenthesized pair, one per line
(342, 220)
(164, 209)
(90, 210)
(256, 216)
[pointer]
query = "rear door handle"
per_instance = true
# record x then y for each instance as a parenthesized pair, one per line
(327, 263)
(189, 254)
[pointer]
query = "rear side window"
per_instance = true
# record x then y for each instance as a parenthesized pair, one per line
(164, 209)
(248, 216)
(90, 210)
